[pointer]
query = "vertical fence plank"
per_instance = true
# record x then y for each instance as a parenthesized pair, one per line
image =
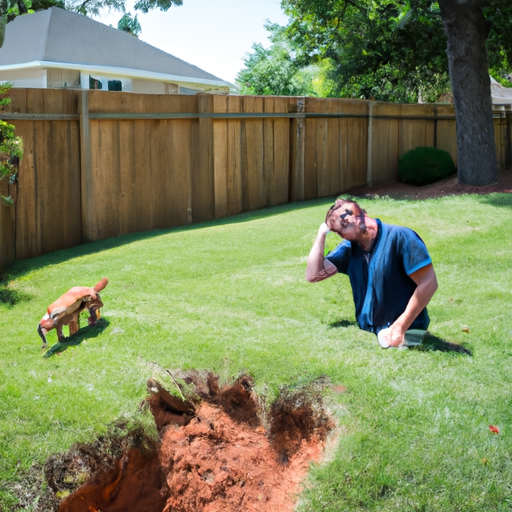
(446, 132)
(320, 150)
(7, 253)
(220, 157)
(203, 197)
(234, 159)
(385, 142)
(414, 133)
(105, 179)
(297, 150)
(89, 231)
(268, 149)
(279, 184)
(311, 140)
(254, 155)
(128, 199)
(26, 201)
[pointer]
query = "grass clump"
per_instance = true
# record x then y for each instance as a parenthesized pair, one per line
(425, 165)
(230, 297)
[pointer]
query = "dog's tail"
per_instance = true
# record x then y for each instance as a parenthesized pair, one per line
(101, 285)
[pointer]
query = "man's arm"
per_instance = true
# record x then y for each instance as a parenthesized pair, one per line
(426, 281)
(318, 268)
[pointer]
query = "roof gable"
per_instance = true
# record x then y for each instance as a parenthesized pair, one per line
(57, 35)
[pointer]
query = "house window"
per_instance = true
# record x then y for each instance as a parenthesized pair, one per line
(94, 83)
(115, 85)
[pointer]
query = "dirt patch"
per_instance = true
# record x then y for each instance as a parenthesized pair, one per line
(447, 187)
(217, 450)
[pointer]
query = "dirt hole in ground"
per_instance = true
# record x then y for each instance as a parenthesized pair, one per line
(218, 448)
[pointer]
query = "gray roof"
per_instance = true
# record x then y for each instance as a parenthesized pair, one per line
(499, 93)
(57, 35)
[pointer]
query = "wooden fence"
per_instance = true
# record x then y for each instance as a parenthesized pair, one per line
(101, 164)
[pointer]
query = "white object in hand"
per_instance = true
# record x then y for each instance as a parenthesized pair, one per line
(383, 338)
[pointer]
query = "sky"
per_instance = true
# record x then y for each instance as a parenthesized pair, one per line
(214, 35)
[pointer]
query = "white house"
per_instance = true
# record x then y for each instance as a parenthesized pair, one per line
(61, 49)
(500, 95)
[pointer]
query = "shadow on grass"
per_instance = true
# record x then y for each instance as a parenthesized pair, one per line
(22, 267)
(89, 332)
(433, 343)
(12, 297)
(498, 200)
(342, 323)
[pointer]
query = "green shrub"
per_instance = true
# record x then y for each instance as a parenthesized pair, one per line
(421, 166)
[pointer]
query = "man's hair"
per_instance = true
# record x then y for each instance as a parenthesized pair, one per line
(338, 204)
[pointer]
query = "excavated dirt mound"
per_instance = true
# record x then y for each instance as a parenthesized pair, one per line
(217, 450)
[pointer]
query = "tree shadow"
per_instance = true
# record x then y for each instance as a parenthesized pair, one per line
(342, 323)
(89, 332)
(497, 199)
(22, 267)
(12, 297)
(433, 343)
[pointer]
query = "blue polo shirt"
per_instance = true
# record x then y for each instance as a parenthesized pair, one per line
(380, 280)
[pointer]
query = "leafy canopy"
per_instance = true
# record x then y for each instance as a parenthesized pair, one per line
(272, 71)
(390, 50)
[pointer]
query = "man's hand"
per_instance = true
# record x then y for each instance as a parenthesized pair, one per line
(395, 335)
(323, 229)
(318, 268)
(426, 281)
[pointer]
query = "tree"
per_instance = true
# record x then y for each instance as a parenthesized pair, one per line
(129, 24)
(402, 50)
(9, 9)
(380, 50)
(272, 71)
(11, 147)
(467, 58)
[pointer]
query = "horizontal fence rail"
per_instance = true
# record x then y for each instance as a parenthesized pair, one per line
(101, 164)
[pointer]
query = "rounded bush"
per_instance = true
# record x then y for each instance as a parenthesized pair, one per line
(422, 166)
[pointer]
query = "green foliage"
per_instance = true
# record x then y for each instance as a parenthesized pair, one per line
(424, 165)
(389, 51)
(163, 5)
(11, 8)
(413, 425)
(129, 24)
(85, 7)
(273, 72)
(11, 147)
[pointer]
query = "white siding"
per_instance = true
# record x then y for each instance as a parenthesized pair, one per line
(29, 78)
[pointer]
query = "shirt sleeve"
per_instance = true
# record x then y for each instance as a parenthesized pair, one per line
(340, 256)
(414, 252)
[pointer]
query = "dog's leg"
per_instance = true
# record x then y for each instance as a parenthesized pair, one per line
(74, 325)
(60, 334)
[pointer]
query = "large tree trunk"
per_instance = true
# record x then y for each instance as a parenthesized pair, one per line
(466, 30)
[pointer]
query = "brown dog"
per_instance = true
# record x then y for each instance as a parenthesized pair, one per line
(66, 310)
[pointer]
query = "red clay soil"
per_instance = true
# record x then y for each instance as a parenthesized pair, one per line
(214, 455)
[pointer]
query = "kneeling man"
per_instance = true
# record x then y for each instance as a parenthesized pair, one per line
(389, 268)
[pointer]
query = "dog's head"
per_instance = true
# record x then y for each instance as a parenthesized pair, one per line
(46, 324)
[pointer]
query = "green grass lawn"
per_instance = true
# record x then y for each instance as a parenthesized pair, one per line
(230, 296)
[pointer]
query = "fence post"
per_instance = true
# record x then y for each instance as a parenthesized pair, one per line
(297, 156)
(508, 114)
(87, 207)
(203, 193)
(7, 241)
(369, 165)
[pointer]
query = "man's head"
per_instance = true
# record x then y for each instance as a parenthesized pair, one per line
(346, 218)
